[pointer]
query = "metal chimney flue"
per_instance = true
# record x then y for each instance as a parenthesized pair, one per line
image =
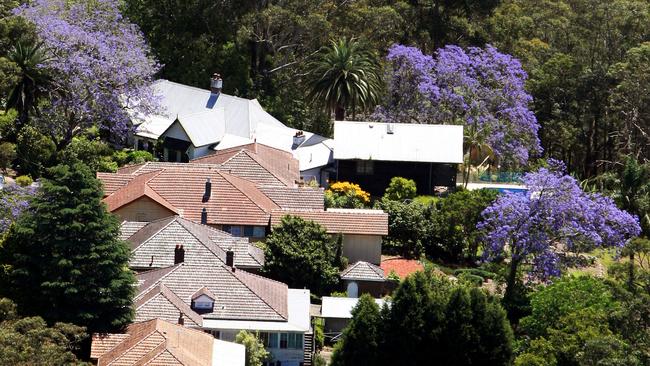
(204, 216)
(216, 83)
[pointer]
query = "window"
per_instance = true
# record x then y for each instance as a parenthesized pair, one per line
(284, 339)
(365, 167)
(248, 231)
(264, 338)
(273, 340)
(295, 340)
(215, 333)
(203, 305)
(235, 230)
(259, 232)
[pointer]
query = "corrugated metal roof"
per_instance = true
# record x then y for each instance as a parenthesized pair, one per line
(341, 307)
(406, 142)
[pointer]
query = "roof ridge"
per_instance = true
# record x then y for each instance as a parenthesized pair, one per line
(220, 255)
(235, 274)
(170, 269)
(263, 163)
(155, 233)
(228, 177)
(135, 344)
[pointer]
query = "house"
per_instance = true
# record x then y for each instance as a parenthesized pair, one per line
(159, 342)
(362, 231)
(172, 240)
(365, 278)
(337, 312)
(222, 300)
(371, 153)
(196, 122)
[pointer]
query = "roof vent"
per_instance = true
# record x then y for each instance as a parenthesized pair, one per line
(390, 129)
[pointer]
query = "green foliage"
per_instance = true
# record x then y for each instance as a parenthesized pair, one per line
(35, 152)
(319, 333)
(360, 341)
(96, 154)
(301, 254)
(409, 228)
(7, 155)
(345, 76)
(24, 180)
(455, 237)
(29, 341)
(139, 156)
(346, 195)
(67, 254)
(400, 189)
(256, 354)
(393, 276)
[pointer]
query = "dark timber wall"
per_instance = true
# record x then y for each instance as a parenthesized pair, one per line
(425, 175)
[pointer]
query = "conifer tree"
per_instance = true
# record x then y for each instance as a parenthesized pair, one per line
(63, 259)
(360, 341)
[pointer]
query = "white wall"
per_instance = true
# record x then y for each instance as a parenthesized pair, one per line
(228, 354)
(362, 248)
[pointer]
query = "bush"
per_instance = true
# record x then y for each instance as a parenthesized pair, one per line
(401, 189)
(474, 280)
(35, 152)
(485, 275)
(7, 155)
(409, 228)
(24, 180)
(139, 157)
(94, 153)
(346, 195)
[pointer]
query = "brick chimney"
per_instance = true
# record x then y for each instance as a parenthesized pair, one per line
(181, 320)
(204, 216)
(179, 254)
(216, 83)
(208, 190)
(298, 139)
(230, 258)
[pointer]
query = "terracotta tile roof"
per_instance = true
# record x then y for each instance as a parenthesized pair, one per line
(154, 342)
(363, 271)
(112, 182)
(239, 295)
(279, 163)
(136, 188)
(362, 222)
(151, 166)
(296, 198)
(402, 267)
(234, 201)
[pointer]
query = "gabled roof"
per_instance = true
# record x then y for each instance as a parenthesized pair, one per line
(234, 201)
(257, 162)
(204, 291)
(154, 342)
(239, 295)
(137, 188)
(160, 302)
(341, 221)
(363, 271)
(296, 198)
(398, 142)
(153, 244)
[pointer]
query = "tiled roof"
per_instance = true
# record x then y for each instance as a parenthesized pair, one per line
(161, 302)
(362, 222)
(112, 182)
(154, 342)
(204, 291)
(239, 295)
(278, 163)
(136, 188)
(363, 271)
(154, 243)
(151, 166)
(296, 198)
(402, 267)
(128, 228)
(234, 201)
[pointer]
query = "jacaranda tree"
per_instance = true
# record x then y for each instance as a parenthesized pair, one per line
(100, 64)
(555, 214)
(481, 89)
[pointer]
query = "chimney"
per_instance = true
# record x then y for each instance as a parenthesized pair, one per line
(181, 320)
(216, 83)
(179, 254)
(298, 139)
(390, 129)
(230, 258)
(208, 190)
(204, 216)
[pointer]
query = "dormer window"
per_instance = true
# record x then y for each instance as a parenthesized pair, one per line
(203, 301)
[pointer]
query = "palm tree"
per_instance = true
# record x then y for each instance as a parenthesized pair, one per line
(345, 75)
(32, 82)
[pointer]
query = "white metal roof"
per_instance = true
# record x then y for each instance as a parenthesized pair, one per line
(341, 307)
(228, 353)
(407, 142)
(229, 121)
(298, 317)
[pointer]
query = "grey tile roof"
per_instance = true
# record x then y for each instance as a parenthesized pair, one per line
(363, 271)
(239, 295)
(154, 243)
(296, 198)
(129, 228)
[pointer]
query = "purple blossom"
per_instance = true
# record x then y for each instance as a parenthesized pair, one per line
(482, 89)
(101, 65)
(554, 212)
(14, 200)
